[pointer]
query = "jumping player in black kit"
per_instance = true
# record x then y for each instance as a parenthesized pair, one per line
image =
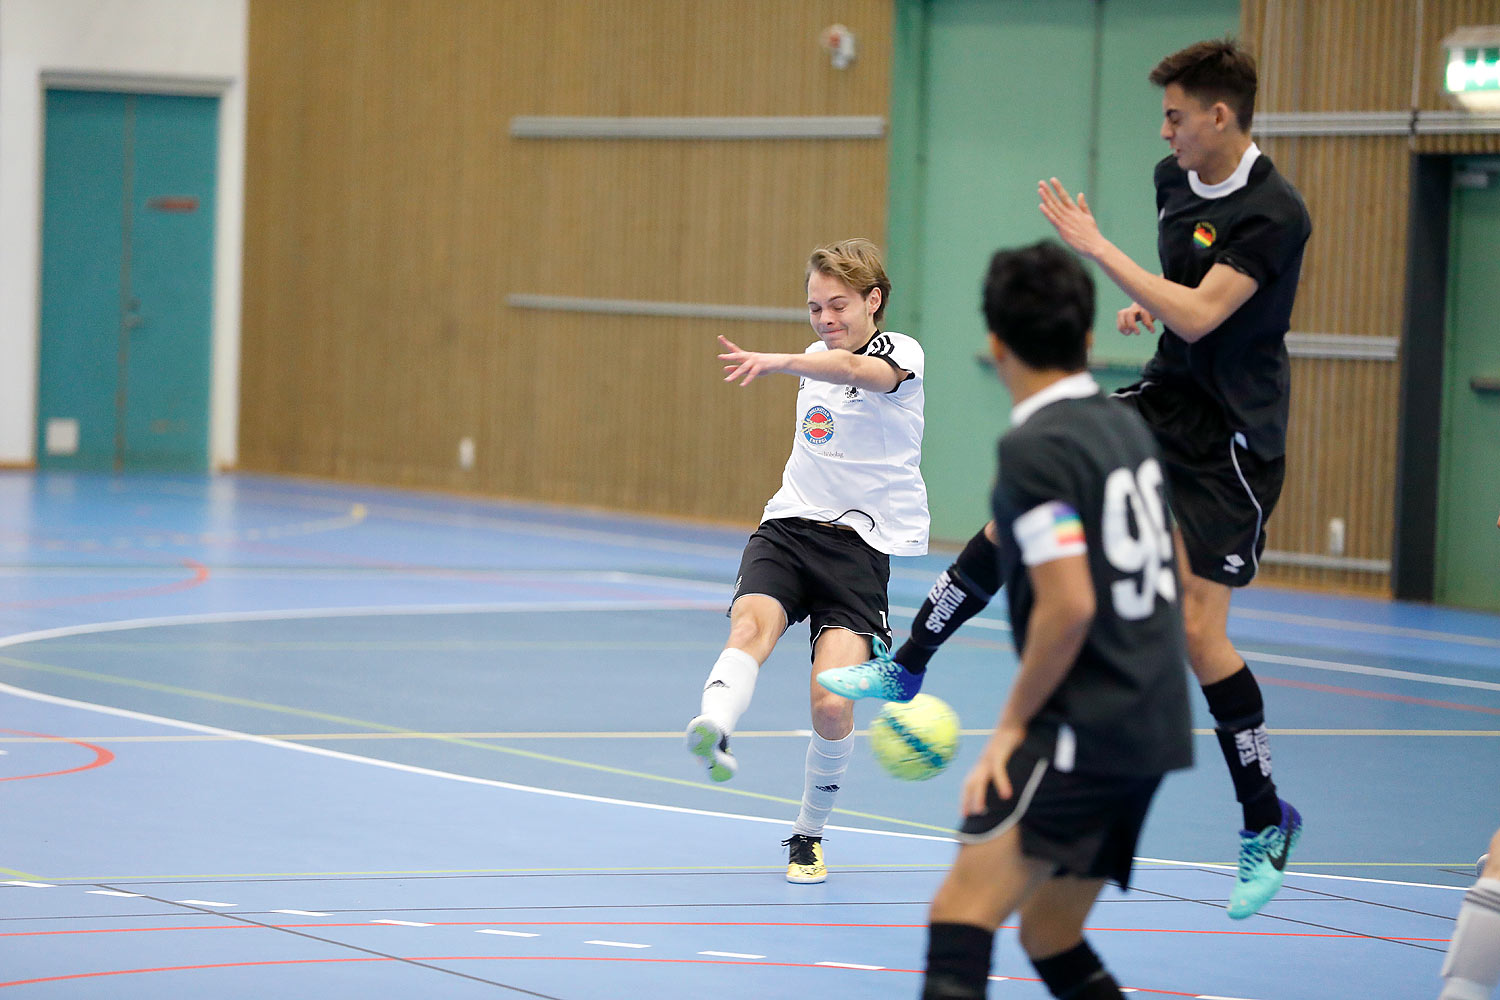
(1099, 711)
(1231, 232)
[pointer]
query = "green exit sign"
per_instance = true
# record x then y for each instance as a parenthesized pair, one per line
(1472, 77)
(1473, 69)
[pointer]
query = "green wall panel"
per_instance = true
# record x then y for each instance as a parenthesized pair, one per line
(990, 96)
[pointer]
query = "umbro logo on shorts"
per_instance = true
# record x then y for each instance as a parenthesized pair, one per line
(1233, 564)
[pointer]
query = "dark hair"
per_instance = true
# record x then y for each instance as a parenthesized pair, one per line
(1039, 301)
(1213, 71)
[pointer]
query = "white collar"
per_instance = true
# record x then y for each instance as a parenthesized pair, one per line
(1230, 184)
(1077, 386)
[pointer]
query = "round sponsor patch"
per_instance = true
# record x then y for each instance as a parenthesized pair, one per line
(817, 426)
(1204, 235)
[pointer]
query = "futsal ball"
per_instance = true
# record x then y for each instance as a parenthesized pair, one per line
(914, 741)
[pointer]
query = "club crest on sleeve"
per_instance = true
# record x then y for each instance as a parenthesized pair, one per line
(817, 426)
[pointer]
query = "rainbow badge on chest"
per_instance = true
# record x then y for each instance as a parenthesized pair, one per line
(1204, 235)
(817, 425)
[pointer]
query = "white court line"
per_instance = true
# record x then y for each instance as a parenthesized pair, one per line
(303, 913)
(729, 954)
(429, 772)
(111, 892)
(618, 944)
(401, 923)
(852, 965)
(31, 885)
(1357, 668)
(141, 623)
(520, 934)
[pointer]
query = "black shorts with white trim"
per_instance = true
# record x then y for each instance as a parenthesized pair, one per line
(1086, 824)
(819, 571)
(1220, 492)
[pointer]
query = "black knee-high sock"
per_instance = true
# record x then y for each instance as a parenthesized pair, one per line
(961, 592)
(1077, 974)
(1239, 712)
(958, 962)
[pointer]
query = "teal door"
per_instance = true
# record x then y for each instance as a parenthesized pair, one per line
(990, 97)
(1468, 542)
(127, 281)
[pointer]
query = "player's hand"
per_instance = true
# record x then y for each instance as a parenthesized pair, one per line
(746, 365)
(1127, 318)
(1071, 218)
(991, 769)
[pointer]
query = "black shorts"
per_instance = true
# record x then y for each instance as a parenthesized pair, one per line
(1088, 824)
(1221, 493)
(818, 571)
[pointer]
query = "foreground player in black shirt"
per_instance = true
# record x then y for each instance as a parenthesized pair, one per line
(1230, 234)
(1099, 710)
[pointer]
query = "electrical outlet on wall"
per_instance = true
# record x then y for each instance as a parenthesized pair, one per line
(466, 453)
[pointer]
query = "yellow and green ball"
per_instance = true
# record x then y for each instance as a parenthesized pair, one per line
(914, 741)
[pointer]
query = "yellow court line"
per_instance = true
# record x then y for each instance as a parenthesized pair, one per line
(633, 735)
(267, 706)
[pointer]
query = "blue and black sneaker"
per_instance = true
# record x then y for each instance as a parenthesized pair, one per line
(878, 677)
(1263, 858)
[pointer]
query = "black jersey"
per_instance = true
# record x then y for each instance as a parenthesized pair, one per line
(1082, 475)
(1260, 229)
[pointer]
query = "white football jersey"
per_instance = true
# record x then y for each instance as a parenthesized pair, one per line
(856, 455)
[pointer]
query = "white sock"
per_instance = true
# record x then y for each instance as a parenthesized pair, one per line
(1472, 967)
(827, 760)
(726, 693)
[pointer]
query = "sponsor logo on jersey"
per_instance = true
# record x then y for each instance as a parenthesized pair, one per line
(851, 393)
(817, 426)
(1204, 235)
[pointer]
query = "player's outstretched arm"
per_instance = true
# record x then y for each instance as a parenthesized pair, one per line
(1191, 313)
(837, 366)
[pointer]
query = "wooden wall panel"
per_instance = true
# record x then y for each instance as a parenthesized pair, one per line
(1341, 450)
(389, 213)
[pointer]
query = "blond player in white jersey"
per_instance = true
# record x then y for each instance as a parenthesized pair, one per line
(851, 497)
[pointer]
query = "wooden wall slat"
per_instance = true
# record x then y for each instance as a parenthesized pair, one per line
(1341, 449)
(389, 213)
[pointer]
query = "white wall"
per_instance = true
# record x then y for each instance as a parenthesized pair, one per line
(194, 46)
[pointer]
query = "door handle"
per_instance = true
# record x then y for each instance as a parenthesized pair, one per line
(1485, 384)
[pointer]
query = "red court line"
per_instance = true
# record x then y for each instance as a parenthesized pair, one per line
(696, 923)
(1377, 695)
(101, 756)
(507, 958)
(200, 576)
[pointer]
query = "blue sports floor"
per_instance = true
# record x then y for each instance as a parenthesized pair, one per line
(264, 737)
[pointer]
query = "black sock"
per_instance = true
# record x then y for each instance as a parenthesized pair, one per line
(961, 592)
(1239, 712)
(958, 962)
(1077, 974)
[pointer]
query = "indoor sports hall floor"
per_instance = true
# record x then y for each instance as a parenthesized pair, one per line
(279, 738)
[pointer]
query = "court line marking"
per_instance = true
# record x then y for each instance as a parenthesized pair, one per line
(509, 607)
(656, 735)
(471, 744)
(430, 772)
(577, 796)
